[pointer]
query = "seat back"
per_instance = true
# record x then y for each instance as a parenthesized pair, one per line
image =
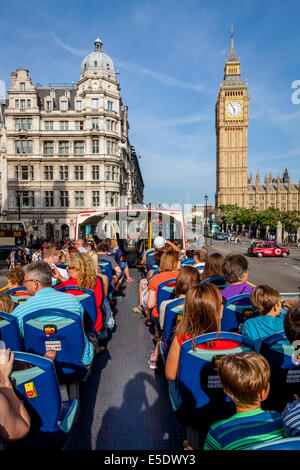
(218, 281)
(15, 289)
(106, 268)
(9, 332)
(87, 299)
(236, 311)
(285, 370)
(173, 314)
(287, 443)
(199, 385)
(62, 331)
(35, 380)
(165, 291)
(187, 261)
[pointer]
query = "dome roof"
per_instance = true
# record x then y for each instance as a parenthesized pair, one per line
(97, 60)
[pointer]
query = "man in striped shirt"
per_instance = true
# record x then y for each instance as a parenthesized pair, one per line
(245, 378)
(38, 281)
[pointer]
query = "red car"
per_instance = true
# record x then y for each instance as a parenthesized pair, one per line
(263, 248)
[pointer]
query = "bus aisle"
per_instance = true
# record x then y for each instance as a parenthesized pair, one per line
(124, 405)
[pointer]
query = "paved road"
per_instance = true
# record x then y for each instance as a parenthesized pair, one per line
(281, 273)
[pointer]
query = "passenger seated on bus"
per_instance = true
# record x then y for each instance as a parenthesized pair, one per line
(213, 266)
(200, 258)
(235, 269)
(291, 413)
(267, 303)
(81, 245)
(82, 274)
(102, 251)
(188, 276)
(15, 278)
(38, 280)
(160, 245)
(51, 254)
(14, 418)
(123, 266)
(202, 313)
(246, 380)
(6, 303)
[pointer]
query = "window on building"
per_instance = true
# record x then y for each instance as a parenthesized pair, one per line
(26, 198)
(294, 197)
(79, 147)
(95, 123)
(110, 147)
(48, 147)
(28, 103)
(24, 172)
(64, 198)
(113, 173)
(16, 172)
(22, 86)
(64, 172)
(17, 104)
(250, 197)
(261, 197)
(63, 105)
(283, 207)
(23, 146)
(95, 172)
(78, 105)
(272, 197)
(261, 207)
(110, 105)
(48, 173)
(49, 125)
(63, 147)
(79, 199)
(22, 104)
(110, 198)
(78, 172)
(95, 146)
(294, 207)
(95, 103)
(64, 125)
(107, 173)
(79, 125)
(283, 197)
(29, 146)
(49, 105)
(49, 199)
(96, 198)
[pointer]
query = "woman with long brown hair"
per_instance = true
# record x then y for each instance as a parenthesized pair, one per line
(213, 266)
(202, 313)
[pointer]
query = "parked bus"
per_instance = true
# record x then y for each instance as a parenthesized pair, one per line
(132, 224)
(12, 232)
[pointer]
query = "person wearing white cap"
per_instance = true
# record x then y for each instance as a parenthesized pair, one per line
(160, 244)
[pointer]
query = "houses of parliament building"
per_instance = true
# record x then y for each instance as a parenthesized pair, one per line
(233, 184)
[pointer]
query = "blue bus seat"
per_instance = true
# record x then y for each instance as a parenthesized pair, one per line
(173, 314)
(237, 310)
(105, 267)
(18, 299)
(285, 370)
(187, 261)
(15, 289)
(153, 266)
(65, 335)
(202, 399)
(165, 291)
(35, 381)
(286, 443)
(87, 299)
(218, 281)
(9, 332)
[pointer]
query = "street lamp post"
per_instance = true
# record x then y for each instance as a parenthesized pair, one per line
(206, 198)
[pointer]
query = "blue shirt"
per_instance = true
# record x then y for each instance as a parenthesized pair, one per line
(47, 298)
(261, 327)
(244, 430)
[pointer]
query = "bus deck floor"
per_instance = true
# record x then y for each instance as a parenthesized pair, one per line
(123, 404)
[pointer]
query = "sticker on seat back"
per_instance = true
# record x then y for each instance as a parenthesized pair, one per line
(56, 345)
(30, 390)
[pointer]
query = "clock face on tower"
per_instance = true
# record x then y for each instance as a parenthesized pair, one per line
(234, 109)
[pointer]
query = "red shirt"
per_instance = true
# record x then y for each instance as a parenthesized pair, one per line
(98, 297)
(158, 279)
(218, 343)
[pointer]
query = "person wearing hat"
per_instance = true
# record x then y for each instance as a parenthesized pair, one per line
(160, 244)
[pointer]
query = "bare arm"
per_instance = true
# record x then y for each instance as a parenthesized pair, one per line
(174, 247)
(14, 419)
(172, 362)
(151, 299)
(105, 283)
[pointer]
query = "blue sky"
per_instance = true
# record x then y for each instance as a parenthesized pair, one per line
(171, 57)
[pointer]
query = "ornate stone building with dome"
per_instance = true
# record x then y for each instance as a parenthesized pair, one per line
(65, 148)
(233, 185)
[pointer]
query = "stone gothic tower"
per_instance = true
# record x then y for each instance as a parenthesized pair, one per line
(231, 120)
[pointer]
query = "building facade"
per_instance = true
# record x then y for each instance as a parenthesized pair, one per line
(65, 149)
(233, 185)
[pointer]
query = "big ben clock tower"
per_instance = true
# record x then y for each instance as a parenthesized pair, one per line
(232, 117)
